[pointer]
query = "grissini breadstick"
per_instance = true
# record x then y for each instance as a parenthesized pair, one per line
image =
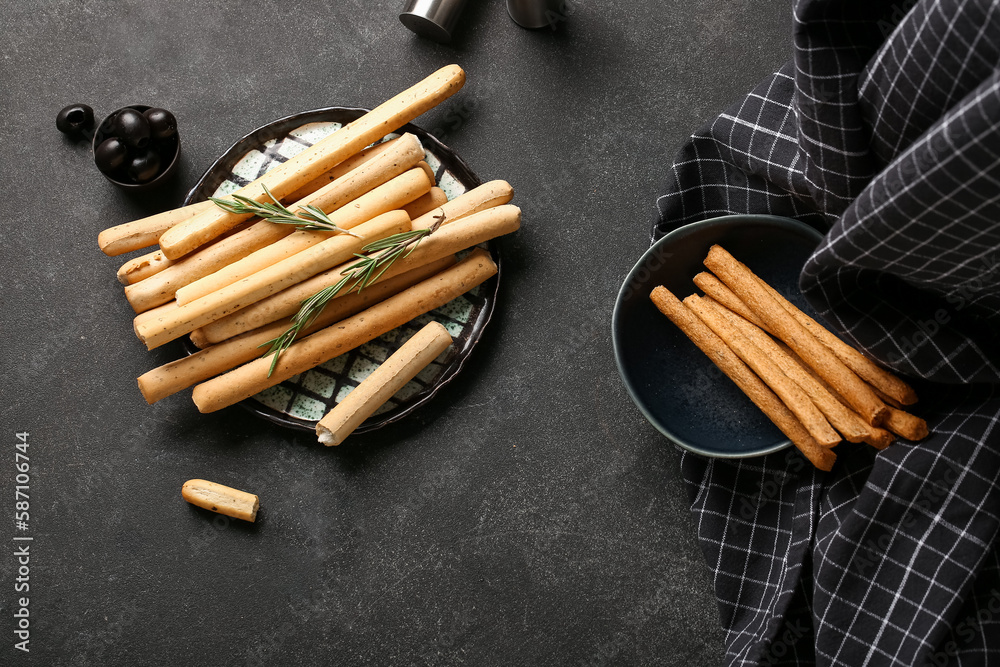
(487, 195)
(348, 334)
(152, 314)
(849, 424)
(188, 317)
(388, 196)
(906, 425)
(347, 165)
(427, 203)
(142, 267)
(751, 385)
(864, 367)
(221, 499)
(284, 179)
(751, 291)
(790, 393)
(392, 375)
(145, 232)
(714, 288)
(447, 240)
(214, 360)
(877, 437)
(399, 156)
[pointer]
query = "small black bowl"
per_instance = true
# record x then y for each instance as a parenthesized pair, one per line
(677, 388)
(170, 152)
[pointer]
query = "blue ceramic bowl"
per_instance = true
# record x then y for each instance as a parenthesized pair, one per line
(672, 382)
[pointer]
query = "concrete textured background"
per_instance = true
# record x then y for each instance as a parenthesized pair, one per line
(529, 515)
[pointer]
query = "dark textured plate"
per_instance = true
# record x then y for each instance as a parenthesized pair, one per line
(302, 400)
(674, 384)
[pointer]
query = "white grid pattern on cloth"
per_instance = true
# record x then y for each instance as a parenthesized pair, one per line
(889, 141)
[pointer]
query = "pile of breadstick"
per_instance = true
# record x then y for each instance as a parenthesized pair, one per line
(232, 282)
(814, 387)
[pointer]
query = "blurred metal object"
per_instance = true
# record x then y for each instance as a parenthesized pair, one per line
(434, 19)
(535, 13)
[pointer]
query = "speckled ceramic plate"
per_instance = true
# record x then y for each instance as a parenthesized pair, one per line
(302, 400)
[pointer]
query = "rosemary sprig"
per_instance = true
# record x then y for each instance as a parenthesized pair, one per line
(359, 275)
(306, 218)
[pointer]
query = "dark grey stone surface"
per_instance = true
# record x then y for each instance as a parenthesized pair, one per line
(529, 515)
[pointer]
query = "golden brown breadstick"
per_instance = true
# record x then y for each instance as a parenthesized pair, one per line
(214, 360)
(849, 424)
(188, 317)
(221, 499)
(879, 438)
(487, 195)
(864, 367)
(714, 288)
(906, 425)
(751, 385)
(427, 203)
(389, 196)
(790, 393)
(332, 341)
(347, 165)
(289, 176)
(391, 376)
(751, 291)
(145, 232)
(142, 267)
(447, 240)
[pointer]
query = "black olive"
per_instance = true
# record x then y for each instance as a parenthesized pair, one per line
(144, 166)
(162, 123)
(74, 118)
(110, 155)
(131, 127)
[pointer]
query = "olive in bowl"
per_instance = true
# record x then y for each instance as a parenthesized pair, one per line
(137, 147)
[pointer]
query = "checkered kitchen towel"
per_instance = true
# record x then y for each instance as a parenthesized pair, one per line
(884, 132)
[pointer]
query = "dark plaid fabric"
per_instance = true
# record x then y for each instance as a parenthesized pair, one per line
(883, 132)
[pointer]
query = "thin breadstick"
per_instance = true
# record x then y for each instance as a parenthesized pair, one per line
(145, 232)
(392, 375)
(848, 423)
(751, 291)
(347, 165)
(790, 393)
(751, 385)
(214, 360)
(289, 176)
(447, 240)
(864, 367)
(715, 288)
(142, 267)
(487, 195)
(389, 196)
(251, 378)
(295, 269)
(877, 437)
(403, 153)
(906, 425)
(430, 201)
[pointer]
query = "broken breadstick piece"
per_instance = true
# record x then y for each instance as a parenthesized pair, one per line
(905, 425)
(221, 499)
(401, 367)
(751, 290)
(727, 361)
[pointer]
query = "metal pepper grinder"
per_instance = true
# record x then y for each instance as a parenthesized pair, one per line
(434, 19)
(536, 13)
